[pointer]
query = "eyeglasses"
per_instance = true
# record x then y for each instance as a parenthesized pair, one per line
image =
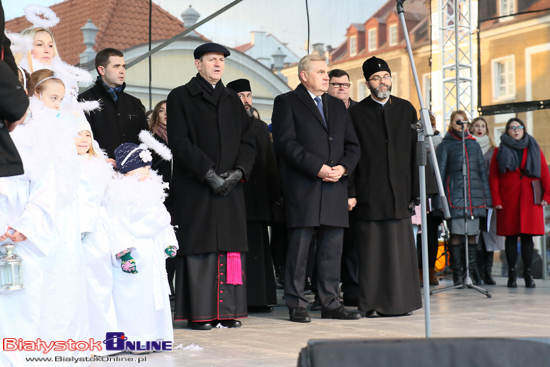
(378, 79)
(514, 128)
(340, 85)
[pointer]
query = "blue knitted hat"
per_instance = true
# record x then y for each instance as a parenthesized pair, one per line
(130, 156)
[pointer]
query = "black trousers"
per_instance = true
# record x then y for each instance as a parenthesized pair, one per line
(260, 278)
(329, 254)
(350, 263)
(433, 241)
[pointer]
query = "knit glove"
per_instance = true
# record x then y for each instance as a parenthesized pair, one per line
(171, 251)
(128, 263)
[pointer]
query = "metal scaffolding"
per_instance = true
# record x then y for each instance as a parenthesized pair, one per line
(456, 57)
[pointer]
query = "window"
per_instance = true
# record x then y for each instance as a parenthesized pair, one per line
(393, 34)
(436, 27)
(507, 7)
(498, 131)
(372, 40)
(362, 90)
(504, 83)
(427, 91)
(394, 84)
(353, 45)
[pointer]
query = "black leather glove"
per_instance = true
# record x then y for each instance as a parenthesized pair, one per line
(218, 185)
(232, 178)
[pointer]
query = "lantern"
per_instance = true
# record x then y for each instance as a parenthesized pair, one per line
(11, 269)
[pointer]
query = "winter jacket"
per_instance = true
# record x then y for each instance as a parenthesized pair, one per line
(449, 157)
(514, 192)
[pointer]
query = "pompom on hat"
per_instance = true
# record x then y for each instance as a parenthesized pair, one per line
(130, 156)
(374, 65)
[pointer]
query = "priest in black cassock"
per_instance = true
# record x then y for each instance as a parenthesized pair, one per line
(213, 148)
(385, 184)
(260, 194)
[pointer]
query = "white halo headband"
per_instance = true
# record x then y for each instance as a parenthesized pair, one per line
(33, 13)
(24, 76)
(48, 78)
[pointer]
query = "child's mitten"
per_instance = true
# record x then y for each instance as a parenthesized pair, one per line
(171, 251)
(128, 264)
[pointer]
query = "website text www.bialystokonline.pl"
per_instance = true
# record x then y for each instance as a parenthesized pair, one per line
(88, 359)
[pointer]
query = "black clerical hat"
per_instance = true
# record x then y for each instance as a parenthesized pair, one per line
(208, 48)
(240, 85)
(374, 65)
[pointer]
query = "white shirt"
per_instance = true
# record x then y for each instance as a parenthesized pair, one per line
(377, 101)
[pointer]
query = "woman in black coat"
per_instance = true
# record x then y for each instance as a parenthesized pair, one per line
(157, 127)
(478, 194)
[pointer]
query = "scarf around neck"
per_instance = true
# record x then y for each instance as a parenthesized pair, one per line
(161, 131)
(508, 159)
(458, 134)
(485, 143)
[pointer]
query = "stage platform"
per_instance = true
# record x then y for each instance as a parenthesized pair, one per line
(272, 340)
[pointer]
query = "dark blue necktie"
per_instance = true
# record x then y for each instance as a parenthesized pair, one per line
(320, 108)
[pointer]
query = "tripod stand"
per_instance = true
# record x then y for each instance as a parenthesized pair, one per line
(467, 280)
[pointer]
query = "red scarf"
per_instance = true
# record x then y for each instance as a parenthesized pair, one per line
(161, 131)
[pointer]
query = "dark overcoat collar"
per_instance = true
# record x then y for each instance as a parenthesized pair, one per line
(305, 98)
(195, 88)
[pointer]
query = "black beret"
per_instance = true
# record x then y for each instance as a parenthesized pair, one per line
(240, 85)
(374, 65)
(209, 48)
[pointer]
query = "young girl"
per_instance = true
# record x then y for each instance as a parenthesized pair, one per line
(94, 228)
(40, 211)
(142, 239)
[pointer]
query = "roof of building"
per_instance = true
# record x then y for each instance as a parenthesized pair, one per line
(416, 14)
(244, 48)
(122, 24)
(528, 9)
(247, 46)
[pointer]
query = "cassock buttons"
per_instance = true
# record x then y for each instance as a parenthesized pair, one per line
(330, 138)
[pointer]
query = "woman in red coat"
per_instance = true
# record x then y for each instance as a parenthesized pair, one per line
(516, 164)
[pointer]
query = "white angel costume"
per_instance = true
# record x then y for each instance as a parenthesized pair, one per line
(141, 223)
(94, 226)
(42, 205)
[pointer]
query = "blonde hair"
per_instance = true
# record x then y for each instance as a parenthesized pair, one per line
(38, 80)
(91, 152)
(32, 32)
(305, 63)
(471, 129)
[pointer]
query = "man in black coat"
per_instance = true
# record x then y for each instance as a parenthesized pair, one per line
(385, 185)
(13, 108)
(213, 148)
(260, 194)
(339, 87)
(121, 116)
(314, 137)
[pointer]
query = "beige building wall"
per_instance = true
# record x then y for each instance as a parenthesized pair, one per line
(175, 66)
(528, 45)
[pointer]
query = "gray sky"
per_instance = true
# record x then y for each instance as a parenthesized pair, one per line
(286, 19)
